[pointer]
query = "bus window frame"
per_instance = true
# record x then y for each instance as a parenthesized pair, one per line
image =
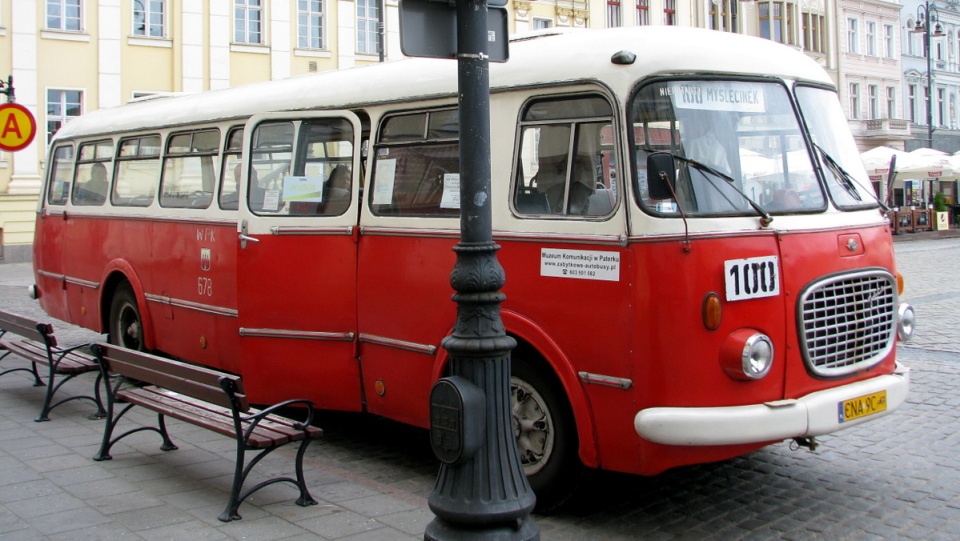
(230, 152)
(75, 189)
(196, 203)
(575, 123)
(51, 174)
(115, 200)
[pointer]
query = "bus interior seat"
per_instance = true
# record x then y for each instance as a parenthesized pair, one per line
(530, 201)
(600, 202)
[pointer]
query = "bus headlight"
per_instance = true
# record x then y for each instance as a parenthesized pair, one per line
(746, 355)
(906, 322)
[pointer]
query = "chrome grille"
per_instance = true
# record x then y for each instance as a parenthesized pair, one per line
(848, 322)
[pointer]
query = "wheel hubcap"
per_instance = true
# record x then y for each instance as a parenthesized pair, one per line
(532, 425)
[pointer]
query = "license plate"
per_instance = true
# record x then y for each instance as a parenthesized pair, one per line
(862, 406)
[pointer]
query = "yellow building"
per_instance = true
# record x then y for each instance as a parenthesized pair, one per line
(68, 57)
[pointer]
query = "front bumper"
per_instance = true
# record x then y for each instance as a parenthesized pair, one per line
(812, 415)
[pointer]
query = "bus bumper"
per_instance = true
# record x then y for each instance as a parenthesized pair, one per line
(812, 415)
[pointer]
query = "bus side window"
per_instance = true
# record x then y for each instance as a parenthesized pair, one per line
(138, 171)
(188, 171)
(61, 173)
(417, 167)
(565, 161)
(91, 182)
(321, 181)
(230, 170)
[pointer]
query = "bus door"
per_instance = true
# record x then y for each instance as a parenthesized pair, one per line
(297, 266)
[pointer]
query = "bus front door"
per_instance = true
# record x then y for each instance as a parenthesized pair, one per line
(297, 283)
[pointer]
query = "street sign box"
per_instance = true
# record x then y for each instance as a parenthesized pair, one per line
(17, 127)
(429, 29)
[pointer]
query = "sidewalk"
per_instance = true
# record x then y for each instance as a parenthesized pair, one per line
(50, 488)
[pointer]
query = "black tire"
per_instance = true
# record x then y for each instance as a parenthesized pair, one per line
(546, 435)
(126, 325)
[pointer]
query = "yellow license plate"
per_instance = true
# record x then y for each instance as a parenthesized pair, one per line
(862, 406)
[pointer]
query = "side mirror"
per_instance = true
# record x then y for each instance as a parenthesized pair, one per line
(661, 175)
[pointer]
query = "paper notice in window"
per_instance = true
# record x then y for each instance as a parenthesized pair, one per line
(451, 191)
(383, 182)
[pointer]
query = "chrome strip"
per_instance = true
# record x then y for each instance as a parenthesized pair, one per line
(209, 309)
(608, 240)
(47, 211)
(306, 335)
(398, 344)
(160, 219)
(609, 381)
(409, 232)
(307, 230)
(69, 279)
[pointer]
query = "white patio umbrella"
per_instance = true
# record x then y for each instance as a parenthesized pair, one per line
(928, 163)
(877, 160)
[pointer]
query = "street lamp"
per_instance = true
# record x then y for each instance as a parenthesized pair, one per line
(926, 14)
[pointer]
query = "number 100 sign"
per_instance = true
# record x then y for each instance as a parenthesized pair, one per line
(752, 278)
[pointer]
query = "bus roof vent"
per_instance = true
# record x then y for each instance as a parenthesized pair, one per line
(623, 58)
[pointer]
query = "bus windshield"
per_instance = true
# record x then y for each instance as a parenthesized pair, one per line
(733, 140)
(846, 177)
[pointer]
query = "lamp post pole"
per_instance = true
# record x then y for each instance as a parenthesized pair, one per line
(929, 15)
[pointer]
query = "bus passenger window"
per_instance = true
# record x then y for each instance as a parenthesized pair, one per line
(230, 171)
(188, 170)
(566, 162)
(417, 167)
(61, 173)
(138, 172)
(90, 178)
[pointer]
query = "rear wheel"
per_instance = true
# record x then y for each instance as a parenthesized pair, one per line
(546, 435)
(126, 326)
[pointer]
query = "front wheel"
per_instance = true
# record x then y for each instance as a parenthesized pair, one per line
(126, 326)
(546, 436)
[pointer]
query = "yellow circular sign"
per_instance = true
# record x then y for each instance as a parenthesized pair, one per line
(17, 127)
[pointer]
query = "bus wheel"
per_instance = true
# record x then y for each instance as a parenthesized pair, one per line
(126, 327)
(546, 436)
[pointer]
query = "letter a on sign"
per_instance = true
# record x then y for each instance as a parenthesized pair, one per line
(17, 127)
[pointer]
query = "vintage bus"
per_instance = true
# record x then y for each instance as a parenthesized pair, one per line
(696, 263)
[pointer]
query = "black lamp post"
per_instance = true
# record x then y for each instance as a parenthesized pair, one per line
(926, 14)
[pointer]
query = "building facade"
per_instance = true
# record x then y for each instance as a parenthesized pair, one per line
(68, 57)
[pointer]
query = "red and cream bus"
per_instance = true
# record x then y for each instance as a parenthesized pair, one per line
(696, 263)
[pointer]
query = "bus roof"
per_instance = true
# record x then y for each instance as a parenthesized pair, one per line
(537, 58)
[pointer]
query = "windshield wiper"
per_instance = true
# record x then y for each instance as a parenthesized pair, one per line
(846, 180)
(765, 218)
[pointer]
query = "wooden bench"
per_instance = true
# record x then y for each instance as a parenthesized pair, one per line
(203, 397)
(36, 342)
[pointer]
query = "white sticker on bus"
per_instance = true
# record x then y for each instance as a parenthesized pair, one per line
(383, 187)
(581, 264)
(752, 278)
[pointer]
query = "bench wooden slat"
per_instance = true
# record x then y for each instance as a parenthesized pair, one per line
(180, 377)
(71, 363)
(27, 328)
(198, 413)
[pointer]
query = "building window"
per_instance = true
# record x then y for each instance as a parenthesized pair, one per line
(941, 114)
(853, 36)
(63, 15)
(909, 36)
(813, 32)
(148, 18)
(720, 15)
(871, 38)
(670, 12)
(888, 40)
(62, 105)
(873, 94)
(891, 102)
(247, 21)
(367, 21)
(613, 13)
(913, 103)
(854, 100)
(310, 24)
(776, 22)
(643, 12)
(540, 24)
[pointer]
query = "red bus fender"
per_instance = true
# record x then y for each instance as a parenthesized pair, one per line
(525, 329)
(113, 272)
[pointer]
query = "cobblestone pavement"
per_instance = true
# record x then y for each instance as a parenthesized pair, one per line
(896, 478)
